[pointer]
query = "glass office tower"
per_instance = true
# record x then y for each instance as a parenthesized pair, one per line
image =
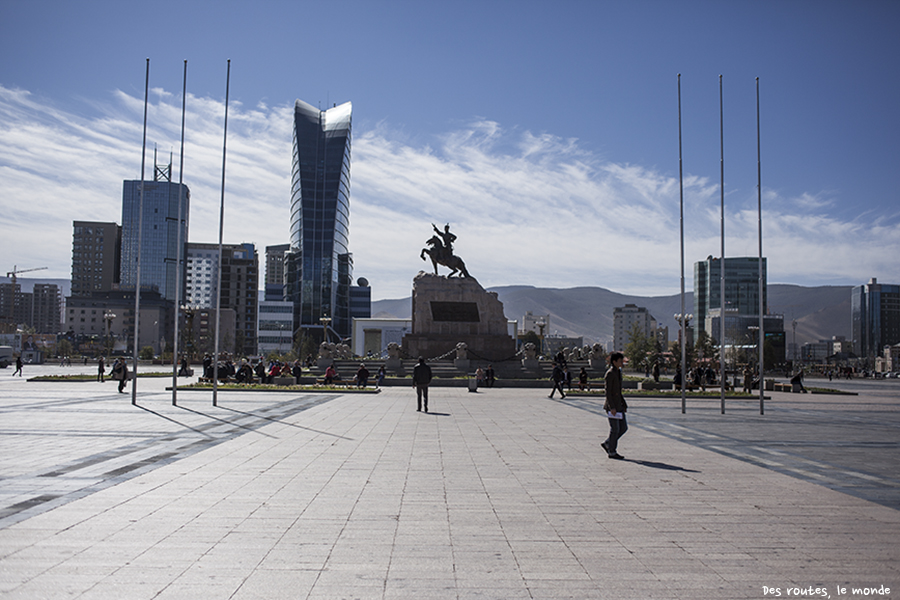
(319, 266)
(874, 318)
(741, 288)
(159, 242)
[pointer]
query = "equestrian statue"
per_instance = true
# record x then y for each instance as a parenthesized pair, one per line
(441, 252)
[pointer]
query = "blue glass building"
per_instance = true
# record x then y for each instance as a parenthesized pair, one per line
(741, 288)
(874, 317)
(159, 242)
(319, 266)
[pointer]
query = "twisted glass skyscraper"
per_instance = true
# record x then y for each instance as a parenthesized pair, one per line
(319, 266)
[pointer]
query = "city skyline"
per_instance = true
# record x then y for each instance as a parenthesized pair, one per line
(550, 144)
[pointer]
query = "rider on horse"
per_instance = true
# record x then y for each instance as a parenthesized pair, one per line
(448, 238)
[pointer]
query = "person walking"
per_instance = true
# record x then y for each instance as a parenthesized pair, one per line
(615, 406)
(421, 379)
(100, 369)
(379, 379)
(557, 377)
(18, 366)
(120, 372)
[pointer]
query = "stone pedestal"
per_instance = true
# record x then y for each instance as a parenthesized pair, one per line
(531, 363)
(449, 310)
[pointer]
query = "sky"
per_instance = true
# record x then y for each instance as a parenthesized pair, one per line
(545, 133)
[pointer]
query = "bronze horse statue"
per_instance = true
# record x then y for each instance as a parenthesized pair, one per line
(440, 256)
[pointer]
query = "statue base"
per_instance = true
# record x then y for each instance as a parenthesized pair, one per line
(449, 310)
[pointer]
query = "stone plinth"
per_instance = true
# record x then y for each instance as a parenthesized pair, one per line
(449, 310)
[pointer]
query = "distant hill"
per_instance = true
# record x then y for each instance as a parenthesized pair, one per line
(820, 312)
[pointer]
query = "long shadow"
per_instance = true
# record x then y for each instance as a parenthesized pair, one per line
(659, 465)
(226, 421)
(281, 421)
(185, 425)
(438, 414)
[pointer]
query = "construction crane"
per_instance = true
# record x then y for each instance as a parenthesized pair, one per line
(12, 296)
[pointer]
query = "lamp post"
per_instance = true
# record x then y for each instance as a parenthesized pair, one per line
(325, 321)
(541, 324)
(108, 317)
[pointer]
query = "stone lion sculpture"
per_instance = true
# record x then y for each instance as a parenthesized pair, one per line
(326, 350)
(393, 350)
(597, 352)
(462, 351)
(530, 351)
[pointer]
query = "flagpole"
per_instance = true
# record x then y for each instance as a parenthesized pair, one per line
(221, 230)
(762, 333)
(137, 282)
(681, 206)
(179, 268)
(722, 370)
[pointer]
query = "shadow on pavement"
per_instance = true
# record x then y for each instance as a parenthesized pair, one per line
(659, 465)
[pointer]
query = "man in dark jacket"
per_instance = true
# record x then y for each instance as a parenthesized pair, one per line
(557, 377)
(421, 379)
(615, 406)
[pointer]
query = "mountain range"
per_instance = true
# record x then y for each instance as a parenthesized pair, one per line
(820, 312)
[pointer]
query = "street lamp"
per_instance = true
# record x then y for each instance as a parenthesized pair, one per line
(687, 323)
(108, 317)
(325, 321)
(541, 324)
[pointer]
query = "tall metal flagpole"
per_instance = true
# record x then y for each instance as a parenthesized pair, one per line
(179, 268)
(762, 333)
(137, 282)
(681, 205)
(221, 226)
(722, 369)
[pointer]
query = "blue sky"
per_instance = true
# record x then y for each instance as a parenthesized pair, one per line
(545, 133)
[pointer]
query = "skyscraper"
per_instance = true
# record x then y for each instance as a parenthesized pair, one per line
(95, 257)
(874, 317)
(237, 292)
(275, 272)
(159, 240)
(741, 288)
(319, 264)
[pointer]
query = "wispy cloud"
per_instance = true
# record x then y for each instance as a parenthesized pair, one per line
(528, 208)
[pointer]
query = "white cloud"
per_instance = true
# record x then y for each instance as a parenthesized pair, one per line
(528, 208)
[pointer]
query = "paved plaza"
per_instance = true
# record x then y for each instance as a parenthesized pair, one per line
(500, 494)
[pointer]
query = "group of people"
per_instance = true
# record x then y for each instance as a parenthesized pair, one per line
(561, 377)
(485, 376)
(117, 372)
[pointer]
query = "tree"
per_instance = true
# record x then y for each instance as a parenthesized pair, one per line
(146, 353)
(639, 349)
(64, 347)
(305, 345)
(705, 347)
(676, 356)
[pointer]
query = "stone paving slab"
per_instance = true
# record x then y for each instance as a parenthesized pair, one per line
(499, 494)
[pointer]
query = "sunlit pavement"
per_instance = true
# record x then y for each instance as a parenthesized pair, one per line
(496, 494)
